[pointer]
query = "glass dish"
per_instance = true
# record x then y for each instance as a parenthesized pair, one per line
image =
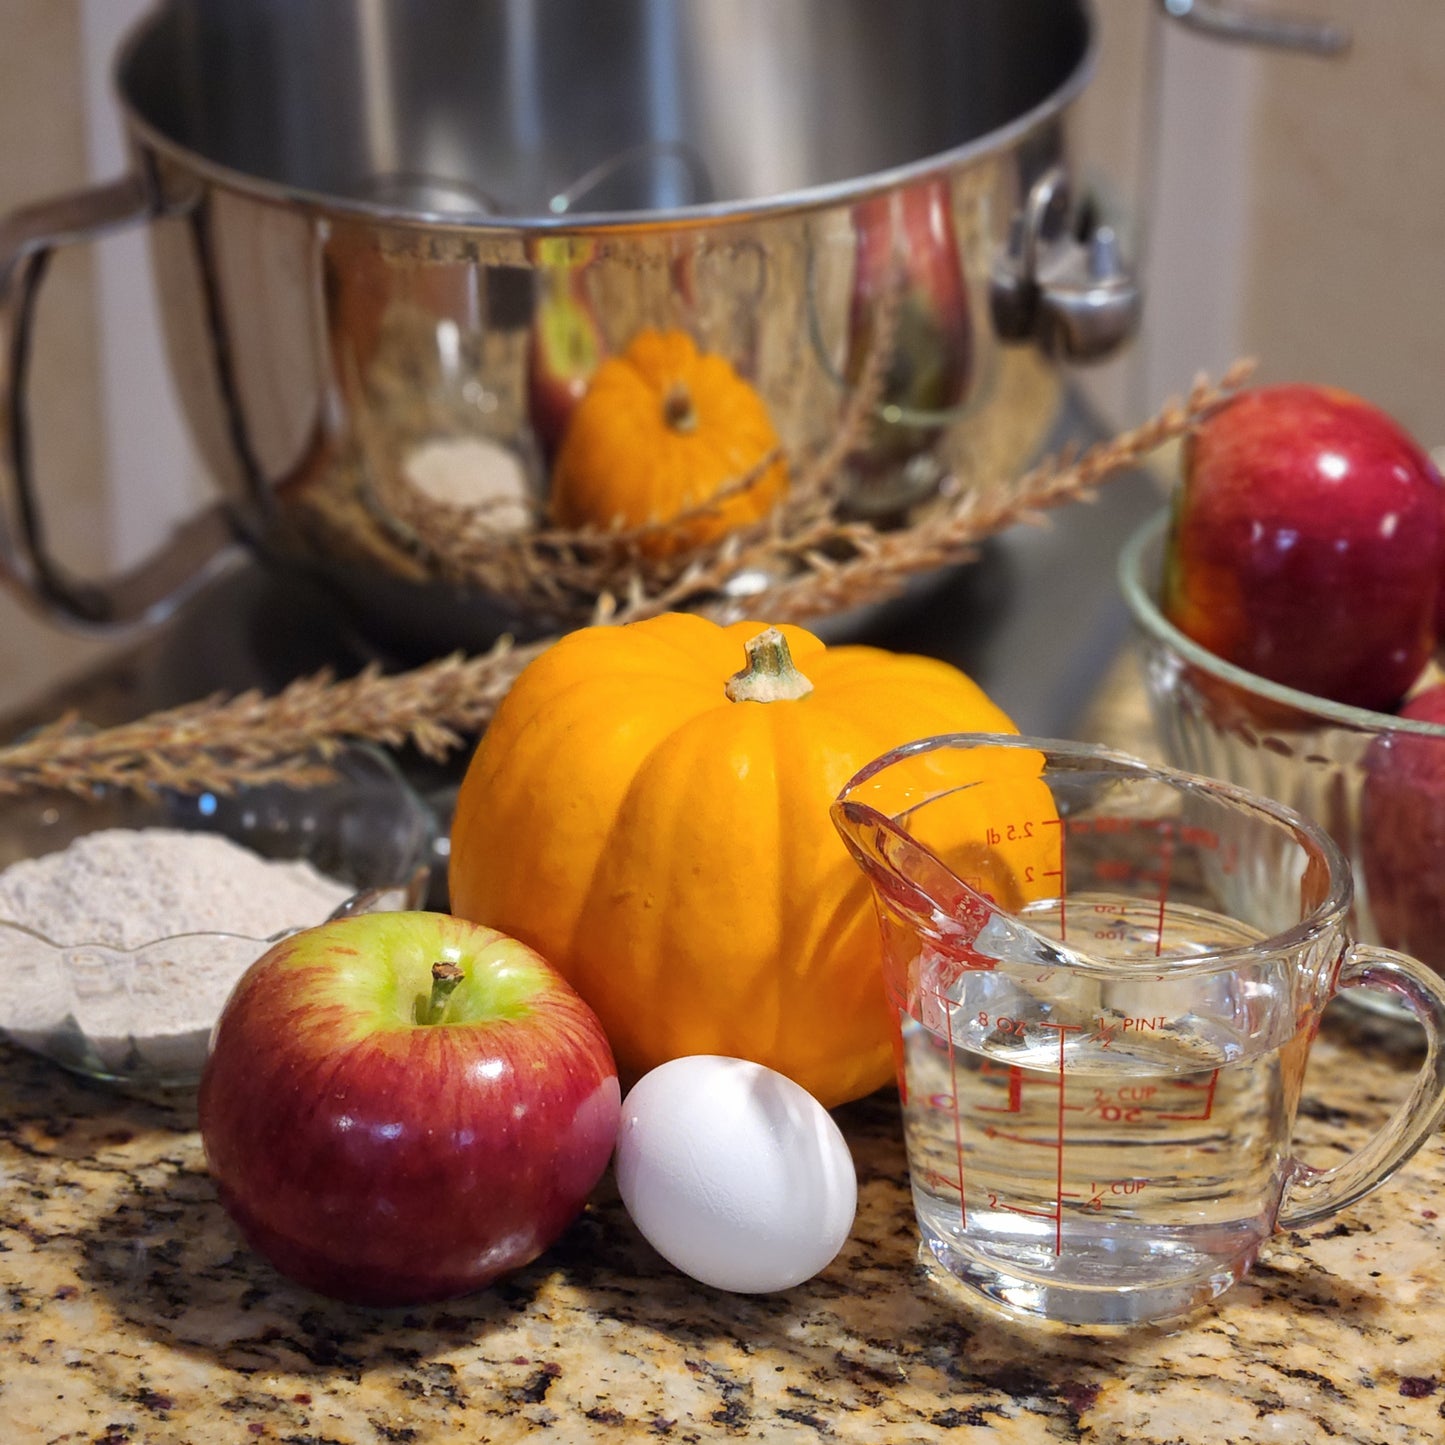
(116, 1013)
(1364, 776)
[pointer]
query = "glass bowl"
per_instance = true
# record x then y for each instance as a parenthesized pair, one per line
(137, 1011)
(1375, 781)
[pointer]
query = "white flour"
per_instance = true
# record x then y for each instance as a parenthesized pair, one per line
(120, 900)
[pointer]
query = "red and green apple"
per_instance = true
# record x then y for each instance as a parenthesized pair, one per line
(401, 1107)
(565, 343)
(908, 265)
(1306, 543)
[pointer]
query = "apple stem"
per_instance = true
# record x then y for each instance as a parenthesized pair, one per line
(444, 979)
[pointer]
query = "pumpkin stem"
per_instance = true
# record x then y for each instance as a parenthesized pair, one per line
(770, 675)
(677, 409)
(444, 979)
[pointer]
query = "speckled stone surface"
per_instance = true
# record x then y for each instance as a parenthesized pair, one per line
(133, 1313)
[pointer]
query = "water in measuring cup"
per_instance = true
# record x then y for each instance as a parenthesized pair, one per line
(1082, 1161)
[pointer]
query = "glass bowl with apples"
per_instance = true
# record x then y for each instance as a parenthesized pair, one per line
(125, 920)
(1288, 607)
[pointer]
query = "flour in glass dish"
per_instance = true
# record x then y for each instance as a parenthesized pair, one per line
(121, 901)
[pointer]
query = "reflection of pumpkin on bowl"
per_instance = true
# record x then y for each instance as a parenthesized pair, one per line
(669, 438)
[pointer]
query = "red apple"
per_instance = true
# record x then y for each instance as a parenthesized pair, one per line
(400, 1107)
(907, 246)
(565, 344)
(1402, 833)
(1307, 544)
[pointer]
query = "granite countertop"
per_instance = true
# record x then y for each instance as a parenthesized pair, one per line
(135, 1314)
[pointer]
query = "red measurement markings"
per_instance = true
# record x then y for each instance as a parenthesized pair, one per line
(990, 1132)
(1208, 1109)
(1115, 1113)
(1010, 1028)
(943, 1003)
(989, 1069)
(1109, 1030)
(1019, 831)
(1016, 1082)
(1122, 871)
(1166, 866)
(1063, 1031)
(1015, 832)
(994, 1202)
(1126, 1104)
(1113, 870)
(1117, 1187)
(1060, 873)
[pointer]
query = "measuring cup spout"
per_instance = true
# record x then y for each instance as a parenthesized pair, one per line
(971, 918)
(905, 876)
(954, 834)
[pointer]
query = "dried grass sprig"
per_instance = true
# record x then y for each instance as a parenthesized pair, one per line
(820, 564)
(876, 565)
(220, 744)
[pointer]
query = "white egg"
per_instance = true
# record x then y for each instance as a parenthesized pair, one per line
(735, 1174)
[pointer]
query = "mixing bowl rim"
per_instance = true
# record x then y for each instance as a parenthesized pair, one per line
(1133, 561)
(805, 200)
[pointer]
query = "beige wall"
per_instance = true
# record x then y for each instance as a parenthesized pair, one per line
(42, 150)
(1295, 206)
(1346, 278)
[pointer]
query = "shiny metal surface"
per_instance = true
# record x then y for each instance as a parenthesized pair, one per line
(528, 109)
(1224, 21)
(1077, 300)
(366, 214)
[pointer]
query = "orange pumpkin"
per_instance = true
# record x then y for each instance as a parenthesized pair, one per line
(661, 431)
(656, 825)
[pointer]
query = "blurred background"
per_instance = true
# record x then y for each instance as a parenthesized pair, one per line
(1287, 208)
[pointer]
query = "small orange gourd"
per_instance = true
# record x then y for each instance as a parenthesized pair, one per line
(662, 430)
(656, 824)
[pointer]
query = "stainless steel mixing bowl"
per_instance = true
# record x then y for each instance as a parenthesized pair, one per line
(391, 234)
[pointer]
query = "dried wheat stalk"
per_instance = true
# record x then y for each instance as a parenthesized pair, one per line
(813, 582)
(222, 743)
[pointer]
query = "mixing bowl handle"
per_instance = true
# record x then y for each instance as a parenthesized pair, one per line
(1079, 299)
(1314, 1194)
(196, 552)
(1231, 22)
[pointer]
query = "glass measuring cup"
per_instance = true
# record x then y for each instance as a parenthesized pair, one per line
(1107, 977)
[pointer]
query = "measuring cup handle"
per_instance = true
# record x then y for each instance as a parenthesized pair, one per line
(1313, 1194)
